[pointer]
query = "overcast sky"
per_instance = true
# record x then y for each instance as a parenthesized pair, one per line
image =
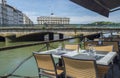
(60, 8)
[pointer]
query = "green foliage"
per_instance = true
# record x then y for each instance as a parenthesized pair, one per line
(104, 23)
(43, 28)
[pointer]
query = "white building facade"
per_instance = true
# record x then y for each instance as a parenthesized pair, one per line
(11, 16)
(26, 19)
(52, 20)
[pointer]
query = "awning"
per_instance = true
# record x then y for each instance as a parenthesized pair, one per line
(103, 7)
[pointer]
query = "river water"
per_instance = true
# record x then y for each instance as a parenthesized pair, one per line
(9, 59)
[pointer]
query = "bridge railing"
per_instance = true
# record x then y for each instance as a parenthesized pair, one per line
(60, 25)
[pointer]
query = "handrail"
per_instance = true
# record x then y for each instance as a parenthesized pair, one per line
(58, 25)
(35, 43)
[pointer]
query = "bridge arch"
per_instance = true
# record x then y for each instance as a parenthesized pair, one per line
(2, 38)
(37, 36)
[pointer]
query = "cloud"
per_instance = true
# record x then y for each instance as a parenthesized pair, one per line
(89, 19)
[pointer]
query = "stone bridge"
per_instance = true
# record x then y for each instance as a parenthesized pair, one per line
(38, 32)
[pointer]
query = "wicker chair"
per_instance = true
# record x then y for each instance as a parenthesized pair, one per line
(90, 42)
(78, 68)
(112, 46)
(114, 43)
(108, 48)
(46, 66)
(102, 70)
(72, 47)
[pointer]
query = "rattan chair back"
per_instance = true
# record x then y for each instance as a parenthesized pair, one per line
(114, 43)
(75, 68)
(72, 46)
(108, 48)
(90, 42)
(45, 63)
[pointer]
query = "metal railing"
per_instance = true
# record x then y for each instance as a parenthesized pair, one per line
(60, 25)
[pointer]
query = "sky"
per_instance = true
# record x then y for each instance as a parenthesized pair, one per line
(61, 8)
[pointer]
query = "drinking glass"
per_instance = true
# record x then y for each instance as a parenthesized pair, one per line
(94, 51)
(89, 49)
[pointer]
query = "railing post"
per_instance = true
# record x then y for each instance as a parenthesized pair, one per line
(47, 45)
(61, 36)
(78, 39)
(51, 36)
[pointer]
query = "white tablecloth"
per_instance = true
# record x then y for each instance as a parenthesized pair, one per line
(103, 61)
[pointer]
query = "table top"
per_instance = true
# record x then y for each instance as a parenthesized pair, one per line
(102, 58)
